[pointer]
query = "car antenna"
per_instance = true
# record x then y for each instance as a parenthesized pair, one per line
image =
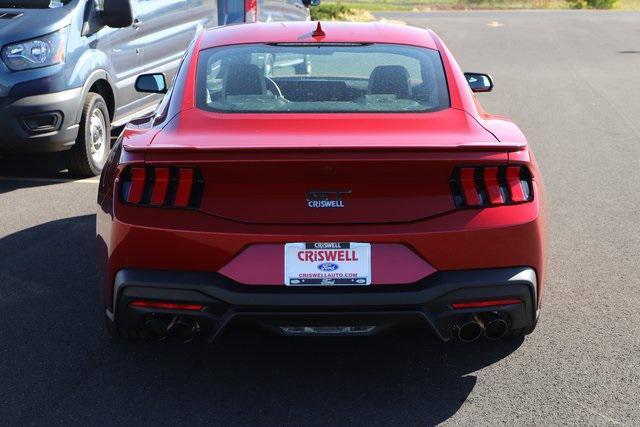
(319, 32)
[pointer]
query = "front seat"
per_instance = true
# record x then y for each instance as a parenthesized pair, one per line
(390, 80)
(244, 79)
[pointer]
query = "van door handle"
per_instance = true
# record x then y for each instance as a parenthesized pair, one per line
(136, 23)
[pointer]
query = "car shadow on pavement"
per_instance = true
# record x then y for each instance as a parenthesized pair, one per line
(59, 363)
(35, 170)
(40, 166)
(17, 172)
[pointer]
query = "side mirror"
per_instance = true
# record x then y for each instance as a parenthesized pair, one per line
(151, 83)
(310, 3)
(479, 82)
(117, 13)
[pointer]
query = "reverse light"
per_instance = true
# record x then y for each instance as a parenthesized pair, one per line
(485, 303)
(35, 53)
(484, 186)
(166, 305)
(167, 187)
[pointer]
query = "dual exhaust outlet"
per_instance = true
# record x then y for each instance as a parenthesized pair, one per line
(473, 327)
(179, 328)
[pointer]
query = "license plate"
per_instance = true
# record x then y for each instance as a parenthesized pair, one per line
(327, 264)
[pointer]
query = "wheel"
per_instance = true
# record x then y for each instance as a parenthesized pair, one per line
(89, 154)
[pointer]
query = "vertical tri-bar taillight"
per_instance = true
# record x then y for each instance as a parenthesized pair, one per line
(162, 186)
(250, 10)
(482, 186)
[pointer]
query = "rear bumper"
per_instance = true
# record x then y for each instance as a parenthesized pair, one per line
(58, 111)
(427, 302)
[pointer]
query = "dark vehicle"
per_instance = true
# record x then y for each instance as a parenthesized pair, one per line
(68, 67)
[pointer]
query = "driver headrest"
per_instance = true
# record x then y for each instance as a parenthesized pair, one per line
(390, 80)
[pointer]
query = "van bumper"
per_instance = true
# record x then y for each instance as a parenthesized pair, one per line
(40, 123)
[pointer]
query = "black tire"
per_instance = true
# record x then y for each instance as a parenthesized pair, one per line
(79, 159)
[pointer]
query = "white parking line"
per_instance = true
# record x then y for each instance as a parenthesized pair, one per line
(50, 180)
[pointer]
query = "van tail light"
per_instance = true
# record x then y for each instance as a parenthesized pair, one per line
(166, 187)
(484, 186)
(250, 10)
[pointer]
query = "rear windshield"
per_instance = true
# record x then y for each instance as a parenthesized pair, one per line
(328, 78)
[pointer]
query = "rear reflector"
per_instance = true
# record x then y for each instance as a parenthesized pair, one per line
(165, 187)
(166, 305)
(486, 303)
(491, 186)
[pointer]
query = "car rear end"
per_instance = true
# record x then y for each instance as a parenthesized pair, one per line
(317, 222)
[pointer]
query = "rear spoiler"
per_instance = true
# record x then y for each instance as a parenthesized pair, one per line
(469, 146)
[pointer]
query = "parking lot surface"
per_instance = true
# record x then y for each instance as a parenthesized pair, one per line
(569, 79)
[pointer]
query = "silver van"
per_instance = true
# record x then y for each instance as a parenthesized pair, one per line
(68, 67)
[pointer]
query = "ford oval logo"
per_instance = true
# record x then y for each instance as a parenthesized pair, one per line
(328, 266)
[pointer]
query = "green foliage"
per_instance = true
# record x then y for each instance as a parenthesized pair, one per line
(591, 4)
(330, 12)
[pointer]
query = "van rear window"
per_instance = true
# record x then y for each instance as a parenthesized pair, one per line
(328, 78)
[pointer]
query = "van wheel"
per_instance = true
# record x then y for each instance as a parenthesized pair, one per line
(89, 154)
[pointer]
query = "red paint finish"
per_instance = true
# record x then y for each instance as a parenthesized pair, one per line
(392, 171)
(392, 264)
(301, 32)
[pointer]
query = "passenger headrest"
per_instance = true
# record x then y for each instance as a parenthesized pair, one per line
(244, 79)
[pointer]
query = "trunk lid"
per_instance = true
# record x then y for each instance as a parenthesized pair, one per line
(325, 169)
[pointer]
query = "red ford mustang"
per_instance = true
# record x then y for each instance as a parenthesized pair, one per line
(321, 180)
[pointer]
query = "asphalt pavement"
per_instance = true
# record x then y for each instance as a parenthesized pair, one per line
(570, 79)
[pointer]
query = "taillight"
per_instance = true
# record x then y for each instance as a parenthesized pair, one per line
(250, 10)
(178, 187)
(482, 186)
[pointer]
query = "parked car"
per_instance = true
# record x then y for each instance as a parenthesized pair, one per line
(68, 67)
(371, 192)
